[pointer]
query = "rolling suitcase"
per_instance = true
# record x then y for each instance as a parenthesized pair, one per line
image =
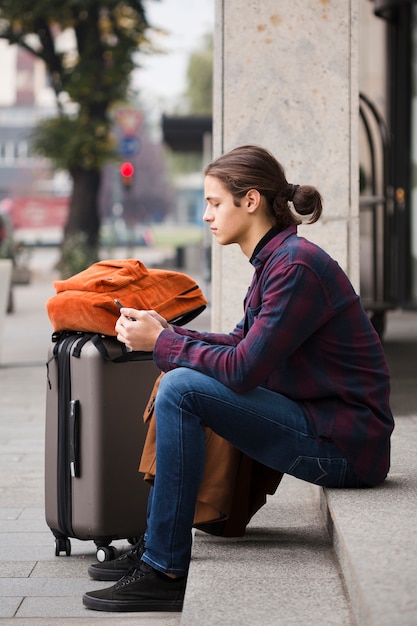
(94, 435)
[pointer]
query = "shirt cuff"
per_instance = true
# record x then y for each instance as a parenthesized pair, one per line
(162, 349)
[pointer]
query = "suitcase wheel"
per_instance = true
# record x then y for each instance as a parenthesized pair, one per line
(106, 553)
(62, 544)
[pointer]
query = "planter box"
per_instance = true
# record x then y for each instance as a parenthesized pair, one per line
(21, 275)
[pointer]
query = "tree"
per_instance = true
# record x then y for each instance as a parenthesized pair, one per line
(199, 92)
(89, 74)
(196, 100)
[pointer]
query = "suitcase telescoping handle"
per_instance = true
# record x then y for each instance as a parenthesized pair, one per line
(74, 438)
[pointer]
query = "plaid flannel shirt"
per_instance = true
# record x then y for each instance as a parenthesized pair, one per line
(304, 334)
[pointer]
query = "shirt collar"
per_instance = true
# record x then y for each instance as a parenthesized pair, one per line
(263, 250)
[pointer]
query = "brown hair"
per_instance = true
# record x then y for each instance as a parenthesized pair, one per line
(252, 167)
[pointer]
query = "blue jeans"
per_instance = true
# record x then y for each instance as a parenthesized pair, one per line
(265, 425)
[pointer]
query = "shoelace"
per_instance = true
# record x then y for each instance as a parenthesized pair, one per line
(134, 553)
(136, 574)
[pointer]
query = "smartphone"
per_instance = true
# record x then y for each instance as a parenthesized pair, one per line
(121, 306)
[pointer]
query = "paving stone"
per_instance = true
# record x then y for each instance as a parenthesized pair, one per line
(9, 606)
(19, 552)
(62, 567)
(28, 526)
(33, 513)
(16, 569)
(43, 587)
(9, 513)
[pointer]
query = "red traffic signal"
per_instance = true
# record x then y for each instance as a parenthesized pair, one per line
(127, 170)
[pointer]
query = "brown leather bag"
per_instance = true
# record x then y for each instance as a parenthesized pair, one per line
(233, 488)
(85, 301)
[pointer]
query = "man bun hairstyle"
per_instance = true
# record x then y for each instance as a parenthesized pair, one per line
(307, 201)
(253, 167)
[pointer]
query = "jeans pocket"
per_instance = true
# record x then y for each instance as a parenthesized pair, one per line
(320, 471)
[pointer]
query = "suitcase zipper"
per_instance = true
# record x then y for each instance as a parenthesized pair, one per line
(64, 482)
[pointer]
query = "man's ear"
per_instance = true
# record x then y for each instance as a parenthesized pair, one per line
(253, 199)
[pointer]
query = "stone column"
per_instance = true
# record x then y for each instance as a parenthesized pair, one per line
(286, 77)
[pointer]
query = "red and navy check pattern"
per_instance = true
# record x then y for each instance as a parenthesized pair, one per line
(304, 334)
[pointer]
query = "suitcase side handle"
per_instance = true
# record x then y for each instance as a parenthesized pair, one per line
(74, 438)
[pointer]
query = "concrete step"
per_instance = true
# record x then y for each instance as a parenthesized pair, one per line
(282, 572)
(289, 569)
(374, 537)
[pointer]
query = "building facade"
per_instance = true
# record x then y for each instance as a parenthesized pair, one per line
(329, 88)
(388, 151)
(25, 98)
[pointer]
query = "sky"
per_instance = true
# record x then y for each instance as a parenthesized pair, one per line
(162, 78)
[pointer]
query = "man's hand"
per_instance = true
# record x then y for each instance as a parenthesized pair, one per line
(138, 329)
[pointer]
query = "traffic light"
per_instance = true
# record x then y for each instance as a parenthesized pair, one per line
(126, 173)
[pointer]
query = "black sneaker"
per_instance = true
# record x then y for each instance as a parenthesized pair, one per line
(144, 589)
(116, 569)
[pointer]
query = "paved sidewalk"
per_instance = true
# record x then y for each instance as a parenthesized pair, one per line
(37, 588)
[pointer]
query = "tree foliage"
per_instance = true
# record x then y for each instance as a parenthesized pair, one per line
(88, 47)
(196, 100)
(199, 92)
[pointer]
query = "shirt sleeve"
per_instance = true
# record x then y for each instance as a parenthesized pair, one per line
(293, 306)
(225, 339)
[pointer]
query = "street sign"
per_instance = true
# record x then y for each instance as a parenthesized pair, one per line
(129, 120)
(129, 146)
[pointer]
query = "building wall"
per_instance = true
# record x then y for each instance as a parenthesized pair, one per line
(372, 55)
(286, 77)
(8, 55)
(24, 96)
(23, 80)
